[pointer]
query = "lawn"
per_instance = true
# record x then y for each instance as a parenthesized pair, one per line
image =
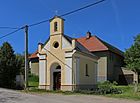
(128, 93)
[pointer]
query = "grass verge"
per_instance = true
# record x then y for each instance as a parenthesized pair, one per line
(128, 93)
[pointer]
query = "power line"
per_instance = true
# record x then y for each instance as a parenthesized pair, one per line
(34, 24)
(87, 6)
(11, 33)
(8, 28)
(68, 13)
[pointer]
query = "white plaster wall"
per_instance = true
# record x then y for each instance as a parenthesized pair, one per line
(46, 47)
(65, 43)
(42, 70)
(68, 54)
(68, 71)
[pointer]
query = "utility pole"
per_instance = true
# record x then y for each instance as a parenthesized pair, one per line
(26, 56)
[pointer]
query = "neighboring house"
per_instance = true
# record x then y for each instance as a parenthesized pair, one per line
(34, 63)
(66, 63)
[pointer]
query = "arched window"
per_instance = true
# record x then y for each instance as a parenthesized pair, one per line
(55, 26)
(58, 67)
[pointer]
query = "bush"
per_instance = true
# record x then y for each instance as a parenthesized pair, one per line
(107, 88)
(103, 88)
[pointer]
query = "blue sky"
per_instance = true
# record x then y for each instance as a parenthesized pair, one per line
(114, 21)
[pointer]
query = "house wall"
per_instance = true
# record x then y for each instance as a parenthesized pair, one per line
(115, 62)
(35, 68)
(109, 65)
(102, 66)
(81, 80)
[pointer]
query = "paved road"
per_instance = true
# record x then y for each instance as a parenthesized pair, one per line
(9, 96)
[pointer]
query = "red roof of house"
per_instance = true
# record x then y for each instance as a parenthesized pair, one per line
(92, 44)
(34, 55)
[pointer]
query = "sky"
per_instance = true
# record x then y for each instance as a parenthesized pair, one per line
(114, 21)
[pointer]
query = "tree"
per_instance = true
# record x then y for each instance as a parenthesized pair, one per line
(9, 66)
(132, 56)
(20, 63)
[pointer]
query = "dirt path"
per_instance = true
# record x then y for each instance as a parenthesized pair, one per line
(10, 96)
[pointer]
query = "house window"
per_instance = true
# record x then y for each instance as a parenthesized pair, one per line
(86, 70)
(55, 26)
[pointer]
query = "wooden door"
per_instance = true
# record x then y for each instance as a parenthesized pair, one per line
(57, 80)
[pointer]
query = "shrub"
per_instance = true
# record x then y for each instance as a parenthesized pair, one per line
(107, 88)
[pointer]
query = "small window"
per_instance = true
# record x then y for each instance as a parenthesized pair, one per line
(55, 26)
(86, 70)
(56, 44)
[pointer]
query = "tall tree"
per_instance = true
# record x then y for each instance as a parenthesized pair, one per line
(132, 56)
(20, 63)
(9, 66)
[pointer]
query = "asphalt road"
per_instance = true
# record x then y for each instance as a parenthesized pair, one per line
(10, 96)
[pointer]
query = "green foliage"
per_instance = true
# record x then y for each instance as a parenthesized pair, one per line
(20, 63)
(33, 80)
(9, 66)
(103, 88)
(107, 88)
(132, 55)
(115, 83)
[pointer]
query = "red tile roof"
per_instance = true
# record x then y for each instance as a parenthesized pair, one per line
(34, 55)
(92, 44)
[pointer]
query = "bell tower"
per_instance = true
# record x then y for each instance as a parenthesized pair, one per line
(56, 26)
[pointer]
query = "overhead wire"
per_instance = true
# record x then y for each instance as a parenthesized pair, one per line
(68, 13)
(4, 27)
(10, 33)
(43, 21)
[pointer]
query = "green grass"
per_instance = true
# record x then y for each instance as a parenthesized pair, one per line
(128, 93)
(33, 80)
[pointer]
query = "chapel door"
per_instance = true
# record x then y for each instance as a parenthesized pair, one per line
(57, 80)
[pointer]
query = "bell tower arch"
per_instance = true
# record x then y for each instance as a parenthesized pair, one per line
(56, 26)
